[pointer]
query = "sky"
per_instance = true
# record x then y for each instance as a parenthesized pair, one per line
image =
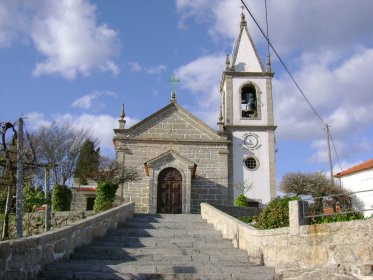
(77, 61)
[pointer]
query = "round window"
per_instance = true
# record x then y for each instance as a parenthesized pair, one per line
(251, 163)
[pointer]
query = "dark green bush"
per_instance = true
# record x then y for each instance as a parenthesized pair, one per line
(276, 214)
(105, 195)
(338, 218)
(61, 198)
(241, 201)
(32, 199)
(246, 220)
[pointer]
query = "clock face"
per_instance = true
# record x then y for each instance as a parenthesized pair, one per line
(251, 141)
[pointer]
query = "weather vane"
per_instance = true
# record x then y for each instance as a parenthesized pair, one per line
(173, 82)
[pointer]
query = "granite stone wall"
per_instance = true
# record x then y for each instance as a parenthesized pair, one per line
(344, 247)
(173, 129)
(209, 185)
(24, 258)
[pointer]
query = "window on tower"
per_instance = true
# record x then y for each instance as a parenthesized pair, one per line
(248, 102)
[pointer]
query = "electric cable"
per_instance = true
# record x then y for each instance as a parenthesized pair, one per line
(266, 36)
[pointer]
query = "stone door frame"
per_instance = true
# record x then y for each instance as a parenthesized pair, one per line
(184, 166)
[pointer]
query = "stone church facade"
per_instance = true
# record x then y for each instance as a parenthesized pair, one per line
(183, 162)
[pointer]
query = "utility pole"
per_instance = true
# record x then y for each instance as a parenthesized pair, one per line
(330, 155)
(19, 179)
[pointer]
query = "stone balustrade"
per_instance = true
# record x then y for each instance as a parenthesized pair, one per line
(340, 247)
(24, 258)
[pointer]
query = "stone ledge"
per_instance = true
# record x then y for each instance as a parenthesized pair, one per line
(347, 245)
(24, 258)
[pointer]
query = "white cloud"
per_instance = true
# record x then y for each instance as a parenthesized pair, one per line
(330, 54)
(156, 69)
(151, 70)
(293, 25)
(201, 77)
(101, 126)
(35, 120)
(135, 66)
(65, 32)
(89, 100)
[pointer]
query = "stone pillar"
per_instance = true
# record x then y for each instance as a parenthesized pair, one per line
(296, 217)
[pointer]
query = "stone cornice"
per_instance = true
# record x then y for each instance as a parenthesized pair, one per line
(168, 141)
(248, 74)
(237, 74)
(250, 127)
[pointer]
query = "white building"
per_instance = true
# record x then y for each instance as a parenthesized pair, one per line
(360, 178)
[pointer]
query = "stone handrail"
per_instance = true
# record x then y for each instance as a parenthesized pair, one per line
(24, 258)
(344, 246)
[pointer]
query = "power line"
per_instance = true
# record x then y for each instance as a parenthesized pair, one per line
(283, 64)
(335, 150)
(266, 36)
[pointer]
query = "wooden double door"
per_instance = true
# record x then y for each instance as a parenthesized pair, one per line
(169, 191)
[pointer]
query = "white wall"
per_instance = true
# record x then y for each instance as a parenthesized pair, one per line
(260, 177)
(361, 181)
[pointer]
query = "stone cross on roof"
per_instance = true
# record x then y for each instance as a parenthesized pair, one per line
(173, 82)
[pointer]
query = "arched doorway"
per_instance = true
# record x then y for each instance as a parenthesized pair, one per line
(169, 191)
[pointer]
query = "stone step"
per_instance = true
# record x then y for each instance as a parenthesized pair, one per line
(162, 232)
(49, 275)
(109, 250)
(174, 257)
(160, 246)
(177, 218)
(77, 270)
(161, 242)
(166, 225)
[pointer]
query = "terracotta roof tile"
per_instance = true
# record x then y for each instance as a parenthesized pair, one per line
(357, 168)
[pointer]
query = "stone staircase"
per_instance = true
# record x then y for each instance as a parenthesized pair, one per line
(159, 246)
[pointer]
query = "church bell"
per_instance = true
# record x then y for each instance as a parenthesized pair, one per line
(250, 106)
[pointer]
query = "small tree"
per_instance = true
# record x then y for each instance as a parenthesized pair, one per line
(61, 198)
(276, 214)
(88, 162)
(108, 181)
(105, 196)
(314, 184)
(32, 199)
(241, 201)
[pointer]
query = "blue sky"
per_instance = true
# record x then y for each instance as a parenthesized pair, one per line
(78, 60)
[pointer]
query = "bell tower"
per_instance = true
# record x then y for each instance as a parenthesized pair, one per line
(247, 117)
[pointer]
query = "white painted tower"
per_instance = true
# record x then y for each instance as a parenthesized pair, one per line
(247, 117)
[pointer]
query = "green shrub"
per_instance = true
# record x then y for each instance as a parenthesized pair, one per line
(338, 218)
(246, 220)
(61, 198)
(105, 195)
(241, 201)
(32, 199)
(276, 214)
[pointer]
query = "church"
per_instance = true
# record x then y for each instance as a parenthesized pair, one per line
(183, 162)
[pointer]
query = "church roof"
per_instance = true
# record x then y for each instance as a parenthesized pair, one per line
(245, 57)
(357, 168)
(171, 122)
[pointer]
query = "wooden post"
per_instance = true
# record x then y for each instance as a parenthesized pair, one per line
(47, 196)
(330, 155)
(19, 184)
